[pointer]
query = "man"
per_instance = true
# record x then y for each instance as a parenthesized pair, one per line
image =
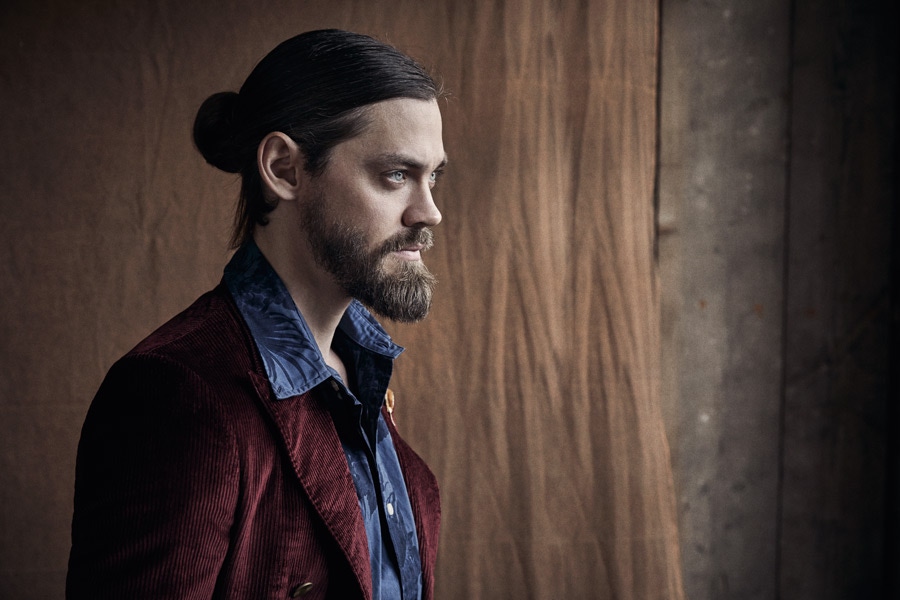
(244, 449)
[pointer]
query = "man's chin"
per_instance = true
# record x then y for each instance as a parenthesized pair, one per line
(404, 296)
(404, 314)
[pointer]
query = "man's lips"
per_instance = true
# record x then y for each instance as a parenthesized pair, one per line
(413, 252)
(410, 245)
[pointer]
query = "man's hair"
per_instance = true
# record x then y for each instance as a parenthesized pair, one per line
(315, 88)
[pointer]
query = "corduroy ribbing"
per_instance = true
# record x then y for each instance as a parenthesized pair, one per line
(193, 481)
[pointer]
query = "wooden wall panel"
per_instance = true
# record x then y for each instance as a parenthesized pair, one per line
(533, 387)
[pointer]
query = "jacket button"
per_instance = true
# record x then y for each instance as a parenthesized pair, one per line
(302, 589)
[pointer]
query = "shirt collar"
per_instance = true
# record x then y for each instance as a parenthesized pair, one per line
(288, 350)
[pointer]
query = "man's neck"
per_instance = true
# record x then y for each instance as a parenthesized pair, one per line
(318, 298)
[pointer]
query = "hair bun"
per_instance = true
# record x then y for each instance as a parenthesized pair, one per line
(216, 130)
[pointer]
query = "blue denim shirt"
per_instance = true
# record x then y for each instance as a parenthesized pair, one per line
(294, 366)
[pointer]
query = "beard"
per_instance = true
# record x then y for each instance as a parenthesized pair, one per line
(399, 290)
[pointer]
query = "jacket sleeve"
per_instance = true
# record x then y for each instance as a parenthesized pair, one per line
(156, 487)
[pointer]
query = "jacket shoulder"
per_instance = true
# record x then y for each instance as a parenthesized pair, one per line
(208, 337)
(203, 355)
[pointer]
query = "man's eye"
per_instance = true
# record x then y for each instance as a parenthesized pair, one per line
(397, 176)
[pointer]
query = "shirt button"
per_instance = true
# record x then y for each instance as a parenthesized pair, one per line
(334, 385)
(302, 589)
(390, 508)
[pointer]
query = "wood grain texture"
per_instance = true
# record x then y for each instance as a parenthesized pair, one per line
(547, 388)
(532, 389)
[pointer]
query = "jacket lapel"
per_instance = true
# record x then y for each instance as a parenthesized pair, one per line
(311, 441)
(425, 500)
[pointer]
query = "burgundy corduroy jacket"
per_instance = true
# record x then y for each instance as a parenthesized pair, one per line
(193, 481)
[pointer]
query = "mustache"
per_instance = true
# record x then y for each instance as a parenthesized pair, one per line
(421, 236)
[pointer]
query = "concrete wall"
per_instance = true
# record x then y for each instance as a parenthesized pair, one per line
(777, 178)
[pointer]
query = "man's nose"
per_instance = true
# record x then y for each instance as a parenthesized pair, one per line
(422, 211)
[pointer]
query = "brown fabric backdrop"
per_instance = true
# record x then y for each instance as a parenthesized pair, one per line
(532, 389)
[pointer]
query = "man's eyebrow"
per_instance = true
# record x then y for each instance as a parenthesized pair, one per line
(403, 160)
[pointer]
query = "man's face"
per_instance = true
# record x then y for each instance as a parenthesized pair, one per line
(368, 218)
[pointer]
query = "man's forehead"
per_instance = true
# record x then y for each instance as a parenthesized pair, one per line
(402, 131)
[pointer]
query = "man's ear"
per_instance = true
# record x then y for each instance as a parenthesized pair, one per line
(280, 163)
